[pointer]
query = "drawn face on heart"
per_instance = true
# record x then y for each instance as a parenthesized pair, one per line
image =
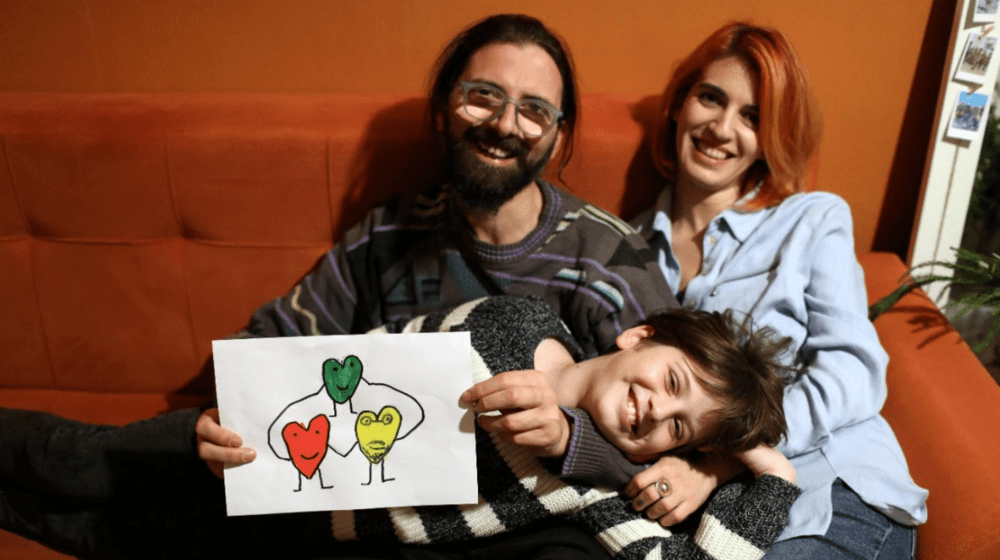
(341, 379)
(376, 434)
(307, 446)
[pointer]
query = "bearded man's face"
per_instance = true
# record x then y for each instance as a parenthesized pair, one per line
(492, 160)
(483, 185)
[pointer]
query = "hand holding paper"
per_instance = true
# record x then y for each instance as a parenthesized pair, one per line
(529, 411)
(218, 446)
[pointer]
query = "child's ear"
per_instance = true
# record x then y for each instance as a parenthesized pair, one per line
(633, 336)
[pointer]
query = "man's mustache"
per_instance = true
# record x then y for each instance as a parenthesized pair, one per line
(488, 136)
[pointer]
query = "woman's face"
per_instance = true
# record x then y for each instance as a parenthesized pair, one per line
(717, 127)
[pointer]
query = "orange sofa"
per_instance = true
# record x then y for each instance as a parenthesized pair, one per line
(136, 228)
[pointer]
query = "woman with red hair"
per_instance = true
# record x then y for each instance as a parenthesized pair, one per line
(738, 127)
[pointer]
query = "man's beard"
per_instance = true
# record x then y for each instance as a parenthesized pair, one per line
(479, 186)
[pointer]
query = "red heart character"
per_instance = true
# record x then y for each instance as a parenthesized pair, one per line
(307, 446)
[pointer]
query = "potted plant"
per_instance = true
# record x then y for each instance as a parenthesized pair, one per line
(974, 284)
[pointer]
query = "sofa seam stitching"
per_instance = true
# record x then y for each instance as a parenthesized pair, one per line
(32, 240)
(183, 246)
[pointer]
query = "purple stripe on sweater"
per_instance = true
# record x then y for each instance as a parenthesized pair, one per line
(288, 320)
(322, 307)
(340, 280)
(555, 203)
(356, 244)
(385, 228)
(599, 266)
(527, 245)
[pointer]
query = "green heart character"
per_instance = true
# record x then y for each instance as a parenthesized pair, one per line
(341, 379)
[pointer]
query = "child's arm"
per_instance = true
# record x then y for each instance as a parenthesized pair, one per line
(690, 483)
(219, 446)
(741, 520)
(763, 460)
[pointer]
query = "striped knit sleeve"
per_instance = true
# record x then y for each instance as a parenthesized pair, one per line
(742, 520)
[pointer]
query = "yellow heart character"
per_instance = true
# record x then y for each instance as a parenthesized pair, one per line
(376, 434)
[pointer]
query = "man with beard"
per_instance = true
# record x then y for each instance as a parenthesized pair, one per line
(503, 102)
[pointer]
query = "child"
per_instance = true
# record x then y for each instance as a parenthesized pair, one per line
(645, 404)
(683, 380)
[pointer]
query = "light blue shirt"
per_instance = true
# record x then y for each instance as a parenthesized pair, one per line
(792, 267)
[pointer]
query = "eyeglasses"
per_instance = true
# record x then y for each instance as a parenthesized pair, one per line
(483, 102)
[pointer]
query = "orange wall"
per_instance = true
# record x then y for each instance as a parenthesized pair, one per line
(873, 62)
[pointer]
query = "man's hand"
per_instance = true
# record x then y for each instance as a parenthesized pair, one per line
(218, 446)
(763, 460)
(529, 411)
(673, 488)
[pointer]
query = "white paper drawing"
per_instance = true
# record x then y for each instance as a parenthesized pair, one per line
(348, 422)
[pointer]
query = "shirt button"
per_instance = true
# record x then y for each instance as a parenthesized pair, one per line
(712, 239)
(714, 292)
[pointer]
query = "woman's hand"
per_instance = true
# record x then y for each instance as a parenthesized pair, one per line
(674, 488)
(763, 460)
(219, 446)
(529, 413)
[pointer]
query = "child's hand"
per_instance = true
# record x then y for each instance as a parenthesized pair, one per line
(219, 446)
(529, 411)
(674, 488)
(763, 460)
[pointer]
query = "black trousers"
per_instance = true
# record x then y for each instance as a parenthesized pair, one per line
(140, 491)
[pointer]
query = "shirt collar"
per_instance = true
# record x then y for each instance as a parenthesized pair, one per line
(741, 223)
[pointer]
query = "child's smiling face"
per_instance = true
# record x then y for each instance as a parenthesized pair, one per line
(647, 398)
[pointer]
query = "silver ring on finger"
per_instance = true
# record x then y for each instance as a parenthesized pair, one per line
(663, 487)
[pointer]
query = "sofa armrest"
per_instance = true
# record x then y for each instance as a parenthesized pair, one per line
(945, 410)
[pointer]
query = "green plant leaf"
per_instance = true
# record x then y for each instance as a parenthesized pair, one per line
(978, 276)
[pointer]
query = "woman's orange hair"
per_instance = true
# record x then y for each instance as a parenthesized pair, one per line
(789, 124)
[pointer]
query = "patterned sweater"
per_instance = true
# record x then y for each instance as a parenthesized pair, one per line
(740, 522)
(416, 255)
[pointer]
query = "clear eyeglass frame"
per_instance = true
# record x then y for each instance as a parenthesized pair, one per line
(534, 117)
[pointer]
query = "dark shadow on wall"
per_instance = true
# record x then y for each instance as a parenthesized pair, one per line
(397, 153)
(903, 189)
(642, 181)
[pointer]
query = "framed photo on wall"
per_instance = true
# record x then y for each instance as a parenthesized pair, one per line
(976, 57)
(985, 11)
(962, 117)
(968, 115)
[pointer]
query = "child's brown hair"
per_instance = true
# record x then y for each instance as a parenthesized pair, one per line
(746, 375)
